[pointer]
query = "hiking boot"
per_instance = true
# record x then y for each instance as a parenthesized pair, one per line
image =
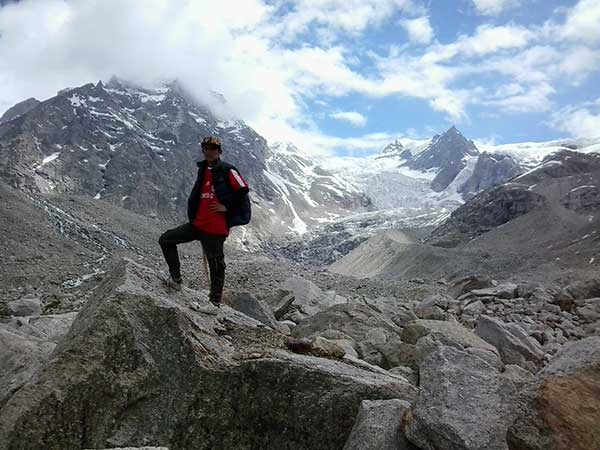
(211, 308)
(169, 281)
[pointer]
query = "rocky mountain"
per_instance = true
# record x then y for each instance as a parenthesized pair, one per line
(447, 155)
(19, 109)
(135, 148)
(312, 194)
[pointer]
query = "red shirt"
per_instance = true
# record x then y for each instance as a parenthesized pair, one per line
(206, 220)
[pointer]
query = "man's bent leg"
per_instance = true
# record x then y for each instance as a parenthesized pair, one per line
(213, 248)
(168, 243)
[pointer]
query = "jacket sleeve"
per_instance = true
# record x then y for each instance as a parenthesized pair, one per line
(238, 185)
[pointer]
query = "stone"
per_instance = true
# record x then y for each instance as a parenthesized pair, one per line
(134, 352)
(470, 283)
(463, 404)
(560, 409)
(433, 307)
(309, 299)
(370, 330)
(506, 290)
(255, 308)
(279, 301)
(21, 355)
(448, 333)
(378, 426)
(328, 348)
(407, 373)
(474, 309)
(513, 343)
(25, 307)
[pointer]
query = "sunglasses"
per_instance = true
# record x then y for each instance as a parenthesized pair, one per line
(206, 148)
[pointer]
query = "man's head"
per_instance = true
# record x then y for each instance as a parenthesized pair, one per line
(211, 148)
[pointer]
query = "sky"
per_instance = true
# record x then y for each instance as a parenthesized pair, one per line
(335, 77)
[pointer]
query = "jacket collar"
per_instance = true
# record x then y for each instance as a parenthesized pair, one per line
(202, 164)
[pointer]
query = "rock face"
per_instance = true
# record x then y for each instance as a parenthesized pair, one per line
(378, 426)
(561, 409)
(490, 170)
(488, 210)
(19, 109)
(135, 351)
(464, 404)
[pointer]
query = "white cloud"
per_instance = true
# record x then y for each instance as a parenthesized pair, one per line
(583, 22)
(494, 7)
(581, 121)
(419, 30)
(579, 62)
(336, 16)
(353, 117)
(270, 57)
(534, 98)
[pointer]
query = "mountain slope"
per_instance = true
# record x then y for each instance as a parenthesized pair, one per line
(541, 225)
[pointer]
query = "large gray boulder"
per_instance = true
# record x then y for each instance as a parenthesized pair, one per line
(26, 343)
(25, 307)
(378, 426)
(309, 299)
(513, 343)
(140, 367)
(255, 308)
(433, 307)
(560, 409)
(421, 337)
(372, 332)
(464, 404)
(21, 355)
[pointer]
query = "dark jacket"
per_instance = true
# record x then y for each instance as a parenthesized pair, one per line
(236, 202)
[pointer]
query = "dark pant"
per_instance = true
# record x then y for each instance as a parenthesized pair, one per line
(213, 249)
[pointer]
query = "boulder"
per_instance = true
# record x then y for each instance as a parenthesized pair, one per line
(378, 426)
(21, 355)
(433, 307)
(136, 351)
(371, 331)
(407, 373)
(309, 299)
(463, 404)
(25, 307)
(448, 333)
(467, 284)
(279, 301)
(560, 409)
(506, 290)
(421, 337)
(255, 308)
(513, 343)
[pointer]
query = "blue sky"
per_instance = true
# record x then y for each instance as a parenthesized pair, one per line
(335, 77)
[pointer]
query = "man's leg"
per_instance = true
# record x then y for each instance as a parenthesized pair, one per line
(213, 249)
(168, 243)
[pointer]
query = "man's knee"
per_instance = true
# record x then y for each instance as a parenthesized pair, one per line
(163, 239)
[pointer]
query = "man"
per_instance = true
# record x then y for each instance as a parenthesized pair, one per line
(214, 206)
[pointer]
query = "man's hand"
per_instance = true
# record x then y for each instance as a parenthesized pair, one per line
(217, 207)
